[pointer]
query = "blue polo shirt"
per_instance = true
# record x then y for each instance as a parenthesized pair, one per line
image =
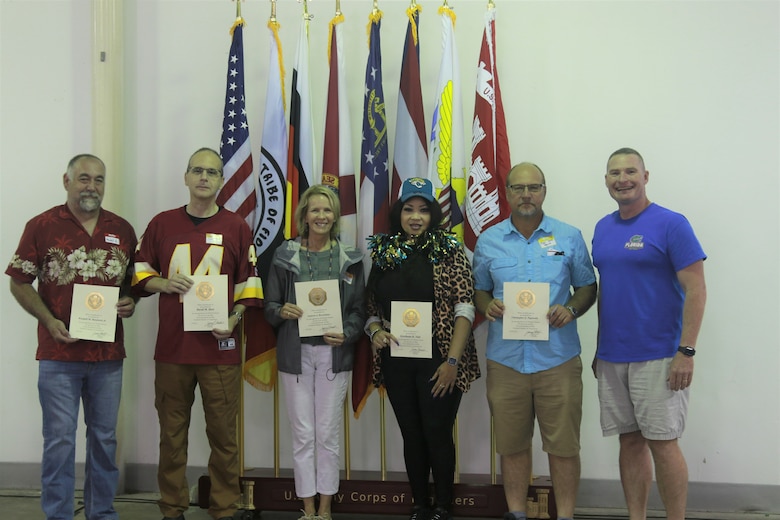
(556, 254)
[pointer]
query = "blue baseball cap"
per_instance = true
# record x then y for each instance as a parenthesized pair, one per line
(417, 187)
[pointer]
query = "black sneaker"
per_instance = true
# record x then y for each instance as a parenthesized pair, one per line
(420, 513)
(440, 513)
(180, 517)
(509, 516)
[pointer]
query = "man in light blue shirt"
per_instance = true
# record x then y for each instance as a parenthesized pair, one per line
(535, 379)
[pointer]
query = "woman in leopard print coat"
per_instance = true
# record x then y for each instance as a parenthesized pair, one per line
(419, 262)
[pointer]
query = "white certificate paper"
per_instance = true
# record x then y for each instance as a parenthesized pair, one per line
(321, 304)
(205, 305)
(412, 324)
(525, 310)
(93, 312)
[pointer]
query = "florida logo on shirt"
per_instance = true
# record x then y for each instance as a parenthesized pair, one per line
(635, 243)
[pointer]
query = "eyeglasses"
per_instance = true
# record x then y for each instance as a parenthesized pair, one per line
(515, 189)
(211, 172)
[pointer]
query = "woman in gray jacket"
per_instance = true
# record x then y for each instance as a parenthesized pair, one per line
(315, 370)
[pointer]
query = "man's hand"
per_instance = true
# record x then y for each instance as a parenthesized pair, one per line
(178, 284)
(558, 316)
(494, 309)
(125, 307)
(59, 331)
(680, 372)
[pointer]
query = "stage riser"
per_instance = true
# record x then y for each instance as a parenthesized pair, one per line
(390, 497)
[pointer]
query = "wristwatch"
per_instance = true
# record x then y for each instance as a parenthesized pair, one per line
(573, 310)
(686, 351)
(452, 361)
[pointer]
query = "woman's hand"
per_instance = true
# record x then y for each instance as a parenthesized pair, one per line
(290, 311)
(334, 339)
(444, 379)
(382, 339)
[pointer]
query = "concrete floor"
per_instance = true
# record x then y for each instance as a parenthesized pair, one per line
(25, 505)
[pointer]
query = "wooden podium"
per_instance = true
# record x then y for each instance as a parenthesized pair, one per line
(366, 493)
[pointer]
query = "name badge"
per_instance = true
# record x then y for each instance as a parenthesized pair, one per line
(214, 238)
(112, 239)
(227, 344)
(349, 277)
(546, 242)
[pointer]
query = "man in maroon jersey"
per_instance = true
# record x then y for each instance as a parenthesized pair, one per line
(78, 243)
(200, 238)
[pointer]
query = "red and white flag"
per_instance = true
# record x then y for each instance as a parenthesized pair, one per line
(486, 202)
(338, 168)
(410, 156)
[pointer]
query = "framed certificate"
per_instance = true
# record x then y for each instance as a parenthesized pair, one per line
(412, 324)
(205, 305)
(525, 310)
(321, 304)
(93, 312)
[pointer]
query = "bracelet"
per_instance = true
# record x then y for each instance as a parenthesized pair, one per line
(237, 314)
(371, 336)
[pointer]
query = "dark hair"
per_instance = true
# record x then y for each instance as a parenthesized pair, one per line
(395, 215)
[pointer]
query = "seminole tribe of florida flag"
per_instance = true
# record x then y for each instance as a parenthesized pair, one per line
(260, 365)
(486, 202)
(410, 156)
(447, 164)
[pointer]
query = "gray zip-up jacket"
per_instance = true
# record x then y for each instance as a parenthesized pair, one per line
(280, 288)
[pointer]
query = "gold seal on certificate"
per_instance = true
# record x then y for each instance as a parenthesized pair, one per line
(525, 311)
(95, 301)
(411, 317)
(318, 296)
(526, 298)
(412, 324)
(204, 291)
(205, 305)
(321, 305)
(93, 312)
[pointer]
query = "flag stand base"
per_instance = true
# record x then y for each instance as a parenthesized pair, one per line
(366, 493)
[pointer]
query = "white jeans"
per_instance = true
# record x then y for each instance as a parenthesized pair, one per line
(315, 406)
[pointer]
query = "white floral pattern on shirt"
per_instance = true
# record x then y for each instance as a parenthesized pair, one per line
(63, 269)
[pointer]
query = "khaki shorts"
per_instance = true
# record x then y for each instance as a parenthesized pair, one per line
(553, 397)
(636, 397)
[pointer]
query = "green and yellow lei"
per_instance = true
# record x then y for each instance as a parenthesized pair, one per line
(391, 251)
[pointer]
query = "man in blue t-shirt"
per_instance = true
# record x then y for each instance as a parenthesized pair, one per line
(651, 303)
(534, 379)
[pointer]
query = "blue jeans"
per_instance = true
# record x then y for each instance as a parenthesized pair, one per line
(61, 384)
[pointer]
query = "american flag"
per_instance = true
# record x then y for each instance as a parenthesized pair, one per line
(238, 192)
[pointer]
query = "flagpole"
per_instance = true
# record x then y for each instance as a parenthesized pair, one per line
(273, 11)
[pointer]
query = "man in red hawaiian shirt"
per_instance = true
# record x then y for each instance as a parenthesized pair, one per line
(76, 243)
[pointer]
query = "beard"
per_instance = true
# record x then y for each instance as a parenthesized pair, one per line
(90, 201)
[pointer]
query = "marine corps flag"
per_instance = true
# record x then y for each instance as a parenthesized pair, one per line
(486, 202)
